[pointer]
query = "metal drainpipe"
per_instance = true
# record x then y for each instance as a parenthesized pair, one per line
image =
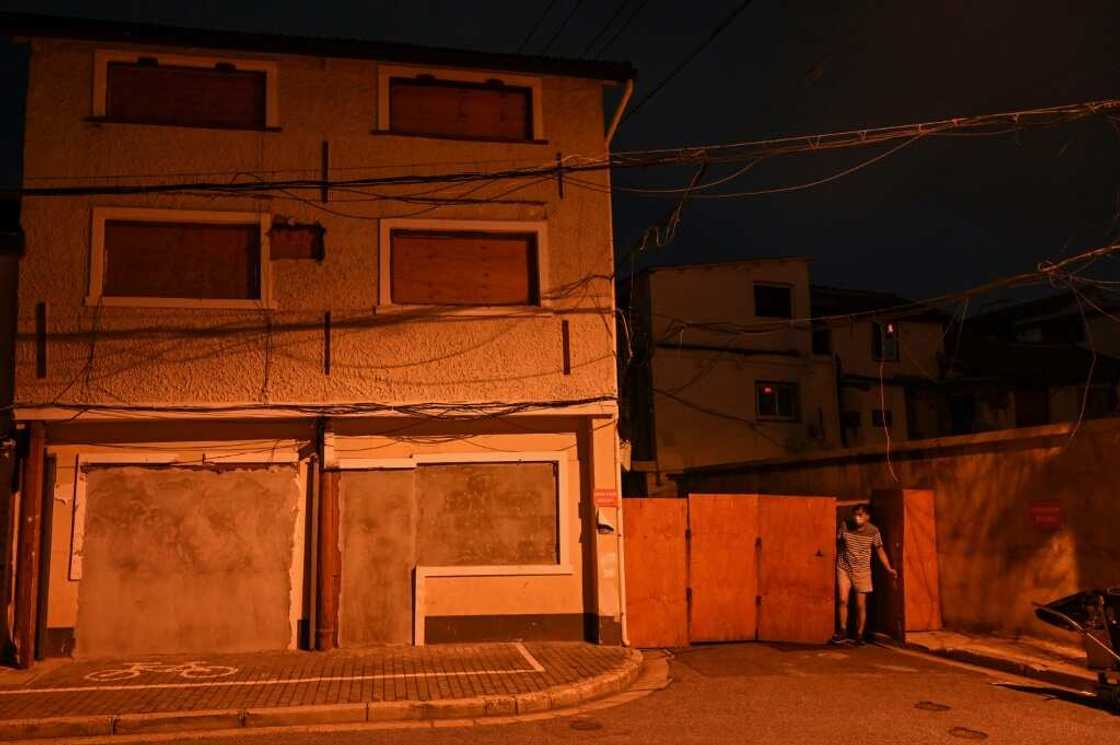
(620, 533)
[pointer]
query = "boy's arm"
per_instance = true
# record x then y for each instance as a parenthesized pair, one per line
(882, 554)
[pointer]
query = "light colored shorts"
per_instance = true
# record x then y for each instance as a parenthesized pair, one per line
(846, 580)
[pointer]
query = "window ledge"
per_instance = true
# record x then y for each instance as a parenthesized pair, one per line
(455, 138)
(486, 311)
(163, 125)
(175, 302)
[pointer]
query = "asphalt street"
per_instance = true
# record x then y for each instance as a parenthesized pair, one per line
(759, 693)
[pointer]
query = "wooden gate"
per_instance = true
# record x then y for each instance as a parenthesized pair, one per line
(656, 572)
(753, 568)
(909, 526)
(796, 568)
(723, 567)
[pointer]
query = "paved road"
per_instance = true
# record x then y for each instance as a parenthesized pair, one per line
(753, 693)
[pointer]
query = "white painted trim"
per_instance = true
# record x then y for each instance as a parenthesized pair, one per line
(386, 72)
(102, 58)
(100, 215)
(388, 225)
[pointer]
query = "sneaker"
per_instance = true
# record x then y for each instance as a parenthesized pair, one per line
(839, 639)
(859, 642)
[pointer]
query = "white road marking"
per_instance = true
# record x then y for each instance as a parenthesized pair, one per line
(537, 667)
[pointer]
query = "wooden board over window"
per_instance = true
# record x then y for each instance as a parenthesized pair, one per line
(221, 97)
(487, 514)
(463, 268)
(446, 108)
(181, 260)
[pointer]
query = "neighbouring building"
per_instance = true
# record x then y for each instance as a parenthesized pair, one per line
(321, 412)
(1045, 361)
(887, 370)
(721, 364)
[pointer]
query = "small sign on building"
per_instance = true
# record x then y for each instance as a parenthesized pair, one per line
(1047, 515)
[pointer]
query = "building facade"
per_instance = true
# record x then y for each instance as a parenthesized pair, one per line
(726, 365)
(290, 371)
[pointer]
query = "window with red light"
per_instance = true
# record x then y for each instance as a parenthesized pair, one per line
(884, 341)
(777, 400)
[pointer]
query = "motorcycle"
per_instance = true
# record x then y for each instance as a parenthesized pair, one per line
(1095, 615)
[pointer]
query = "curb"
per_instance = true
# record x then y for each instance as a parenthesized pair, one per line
(479, 707)
(1014, 667)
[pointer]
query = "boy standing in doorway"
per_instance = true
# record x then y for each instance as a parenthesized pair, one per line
(857, 539)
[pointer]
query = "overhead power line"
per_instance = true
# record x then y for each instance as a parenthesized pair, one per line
(719, 29)
(563, 25)
(621, 29)
(736, 152)
(536, 25)
(606, 27)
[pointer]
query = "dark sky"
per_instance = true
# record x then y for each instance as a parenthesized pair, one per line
(939, 216)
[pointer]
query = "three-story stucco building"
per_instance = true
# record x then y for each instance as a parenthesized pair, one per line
(315, 344)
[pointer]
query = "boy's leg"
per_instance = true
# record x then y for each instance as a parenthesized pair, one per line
(861, 613)
(843, 590)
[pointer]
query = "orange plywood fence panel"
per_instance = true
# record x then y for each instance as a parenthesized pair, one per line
(797, 560)
(656, 572)
(723, 574)
(919, 562)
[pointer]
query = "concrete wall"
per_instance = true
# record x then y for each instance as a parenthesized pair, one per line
(994, 557)
(584, 587)
(187, 560)
(388, 357)
(141, 444)
(377, 528)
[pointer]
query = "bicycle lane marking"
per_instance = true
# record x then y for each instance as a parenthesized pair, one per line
(536, 668)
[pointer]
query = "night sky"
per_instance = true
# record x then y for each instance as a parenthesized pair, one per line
(939, 216)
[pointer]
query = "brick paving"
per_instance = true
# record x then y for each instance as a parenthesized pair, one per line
(271, 679)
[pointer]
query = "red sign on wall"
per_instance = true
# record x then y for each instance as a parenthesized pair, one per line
(606, 498)
(1047, 515)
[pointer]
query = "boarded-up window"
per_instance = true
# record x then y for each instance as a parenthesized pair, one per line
(463, 268)
(181, 260)
(487, 513)
(447, 108)
(222, 97)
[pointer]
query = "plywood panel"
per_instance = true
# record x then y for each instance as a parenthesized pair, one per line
(463, 268)
(181, 260)
(454, 109)
(722, 571)
(796, 572)
(919, 562)
(656, 572)
(190, 96)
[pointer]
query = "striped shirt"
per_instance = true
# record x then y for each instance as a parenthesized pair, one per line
(855, 547)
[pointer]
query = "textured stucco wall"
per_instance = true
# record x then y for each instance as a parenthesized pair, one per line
(994, 559)
(394, 358)
(187, 560)
(725, 293)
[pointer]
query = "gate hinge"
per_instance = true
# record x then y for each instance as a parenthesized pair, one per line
(688, 594)
(758, 600)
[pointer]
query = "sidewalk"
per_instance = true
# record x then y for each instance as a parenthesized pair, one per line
(1054, 663)
(166, 694)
